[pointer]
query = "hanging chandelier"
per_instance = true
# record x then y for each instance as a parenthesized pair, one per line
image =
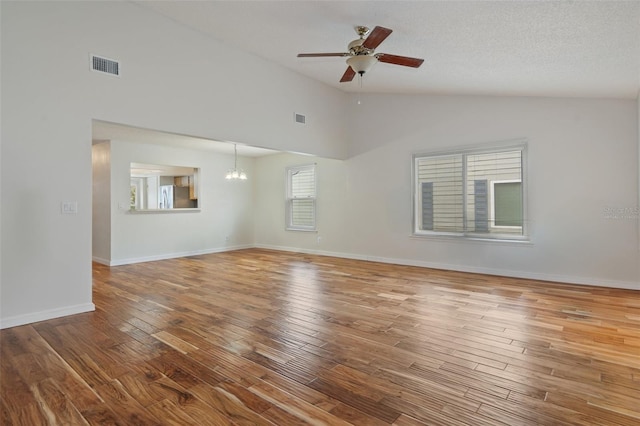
(235, 174)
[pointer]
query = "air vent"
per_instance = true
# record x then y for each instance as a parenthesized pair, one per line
(108, 66)
(300, 118)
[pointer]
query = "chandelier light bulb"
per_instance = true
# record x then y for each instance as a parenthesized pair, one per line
(235, 174)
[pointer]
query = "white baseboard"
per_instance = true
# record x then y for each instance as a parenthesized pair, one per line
(100, 260)
(129, 261)
(45, 315)
(568, 279)
(597, 282)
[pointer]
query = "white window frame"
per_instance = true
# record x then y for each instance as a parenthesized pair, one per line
(517, 145)
(289, 173)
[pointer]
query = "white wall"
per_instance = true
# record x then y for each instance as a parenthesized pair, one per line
(101, 201)
(269, 205)
(582, 158)
(173, 79)
(224, 219)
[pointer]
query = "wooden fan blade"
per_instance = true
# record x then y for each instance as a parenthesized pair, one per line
(320, 55)
(376, 37)
(400, 60)
(348, 75)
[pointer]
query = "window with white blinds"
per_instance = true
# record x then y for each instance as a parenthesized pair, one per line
(476, 193)
(301, 198)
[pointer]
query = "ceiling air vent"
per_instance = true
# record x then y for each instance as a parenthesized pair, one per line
(108, 66)
(300, 118)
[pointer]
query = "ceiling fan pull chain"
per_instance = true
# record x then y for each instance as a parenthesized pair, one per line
(360, 90)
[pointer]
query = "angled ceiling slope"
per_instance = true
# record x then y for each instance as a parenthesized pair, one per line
(521, 48)
(102, 131)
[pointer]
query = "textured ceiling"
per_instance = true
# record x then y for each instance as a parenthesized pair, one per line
(523, 48)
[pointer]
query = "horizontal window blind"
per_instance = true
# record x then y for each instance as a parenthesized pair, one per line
(444, 174)
(303, 213)
(494, 168)
(470, 192)
(301, 197)
(303, 183)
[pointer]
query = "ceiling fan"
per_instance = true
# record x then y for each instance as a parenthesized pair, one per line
(361, 55)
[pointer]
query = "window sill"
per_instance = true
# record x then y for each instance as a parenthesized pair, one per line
(301, 230)
(178, 210)
(473, 239)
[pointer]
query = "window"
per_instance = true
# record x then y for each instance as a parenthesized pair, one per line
(301, 198)
(476, 193)
(160, 187)
(506, 203)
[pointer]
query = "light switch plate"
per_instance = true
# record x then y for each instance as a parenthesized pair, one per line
(69, 207)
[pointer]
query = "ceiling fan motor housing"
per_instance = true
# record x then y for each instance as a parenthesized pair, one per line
(356, 48)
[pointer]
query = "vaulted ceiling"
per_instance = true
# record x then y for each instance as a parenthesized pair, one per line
(505, 48)
(520, 48)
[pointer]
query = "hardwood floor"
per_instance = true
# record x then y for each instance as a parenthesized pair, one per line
(257, 337)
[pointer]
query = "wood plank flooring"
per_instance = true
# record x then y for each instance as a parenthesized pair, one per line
(259, 337)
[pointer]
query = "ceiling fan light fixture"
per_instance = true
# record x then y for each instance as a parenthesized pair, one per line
(362, 63)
